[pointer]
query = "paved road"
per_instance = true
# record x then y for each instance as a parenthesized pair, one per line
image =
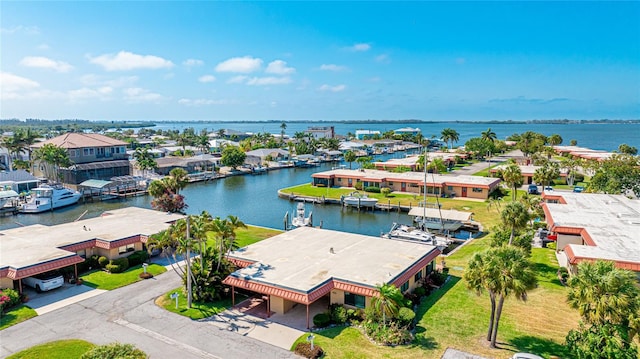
(479, 166)
(129, 315)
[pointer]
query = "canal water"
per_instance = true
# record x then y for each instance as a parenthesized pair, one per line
(252, 198)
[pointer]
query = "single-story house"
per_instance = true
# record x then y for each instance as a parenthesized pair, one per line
(411, 182)
(412, 161)
(259, 156)
(200, 163)
(594, 226)
(18, 180)
(30, 250)
(527, 172)
(307, 264)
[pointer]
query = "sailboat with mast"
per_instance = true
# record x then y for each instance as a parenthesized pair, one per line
(420, 233)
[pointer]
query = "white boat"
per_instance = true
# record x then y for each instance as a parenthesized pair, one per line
(299, 220)
(358, 199)
(46, 198)
(401, 231)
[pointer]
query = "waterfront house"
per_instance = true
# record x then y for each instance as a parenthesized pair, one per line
(410, 182)
(308, 264)
(262, 155)
(594, 226)
(194, 164)
(94, 156)
(527, 172)
(367, 134)
(321, 132)
(18, 181)
(30, 250)
(407, 131)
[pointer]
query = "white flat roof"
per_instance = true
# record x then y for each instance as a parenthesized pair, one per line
(301, 259)
(25, 246)
(612, 221)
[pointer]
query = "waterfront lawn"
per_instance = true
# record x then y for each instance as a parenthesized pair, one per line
(101, 279)
(60, 349)
(455, 317)
(16, 315)
(252, 234)
(198, 310)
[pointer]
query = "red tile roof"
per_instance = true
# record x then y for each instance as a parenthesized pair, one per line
(73, 140)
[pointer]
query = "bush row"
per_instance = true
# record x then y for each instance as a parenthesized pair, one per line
(9, 298)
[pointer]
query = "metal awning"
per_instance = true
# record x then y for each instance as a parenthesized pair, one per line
(94, 183)
(445, 213)
(98, 165)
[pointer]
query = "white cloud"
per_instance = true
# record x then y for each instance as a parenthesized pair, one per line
(269, 80)
(237, 79)
(206, 78)
(279, 67)
(137, 94)
(193, 62)
(12, 83)
(243, 65)
(337, 88)
(125, 60)
(97, 80)
(203, 102)
(333, 67)
(86, 92)
(33, 30)
(360, 47)
(45, 63)
(384, 59)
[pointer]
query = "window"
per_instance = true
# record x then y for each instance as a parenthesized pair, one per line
(127, 248)
(88, 151)
(418, 276)
(354, 300)
(404, 287)
(73, 153)
(390, 183)
(450, 188)
(339, 179)
(477, 190)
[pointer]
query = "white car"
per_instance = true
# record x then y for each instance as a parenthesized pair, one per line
(45, 281)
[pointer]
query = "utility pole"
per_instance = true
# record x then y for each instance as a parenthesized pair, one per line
(189, 296)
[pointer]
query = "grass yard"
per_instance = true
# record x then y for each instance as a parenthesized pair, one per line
(16, 315)
(252, 234)
(61, 349)
(103, 280)
(455, 317)
(197, 310)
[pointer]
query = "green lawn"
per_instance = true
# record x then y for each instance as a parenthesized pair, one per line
(103, 280)
(197, 310)
(61, 349)
(455, 317)
(485, 171)
(16, 315)
(252, 234)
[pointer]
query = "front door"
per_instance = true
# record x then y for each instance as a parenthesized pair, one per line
(464, 191)
(403, 186)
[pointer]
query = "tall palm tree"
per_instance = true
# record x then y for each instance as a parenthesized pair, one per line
(350, 157)
(515, 217)
(388, 301)
(605, 294)
(555, 139)
(144, 159)
(503, 272)
(178, 179)
(546, 174)
(53, 158)
(512, 175)
(283, 128)
(489, 135)
(449, 135)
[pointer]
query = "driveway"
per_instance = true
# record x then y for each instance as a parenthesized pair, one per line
(129, 315)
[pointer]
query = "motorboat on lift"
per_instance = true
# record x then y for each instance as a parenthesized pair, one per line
(49, 197)
(358, 199)
(299, 220)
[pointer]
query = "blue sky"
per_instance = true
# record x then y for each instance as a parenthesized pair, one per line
(470, 61)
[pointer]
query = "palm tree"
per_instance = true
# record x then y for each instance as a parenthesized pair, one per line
(604, 294)
(515, 217)
(450, 136)
(512, 175)
(388, 301)
(54, 158)
(489, 135)
(178, 179)
(283, 127)
(144, 159)
(503, 272)
(350, 157)
(555, 139)
(546, 174)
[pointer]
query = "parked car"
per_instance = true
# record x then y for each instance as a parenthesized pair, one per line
(45, 281)
(533, 189)
(578, 189)
(548, 188)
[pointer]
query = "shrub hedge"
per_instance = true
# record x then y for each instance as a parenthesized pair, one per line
(103, 261)
(321, 320)
(372, 189)
(115, 351)
(138, 257)
(118, 265)
(338, 314)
